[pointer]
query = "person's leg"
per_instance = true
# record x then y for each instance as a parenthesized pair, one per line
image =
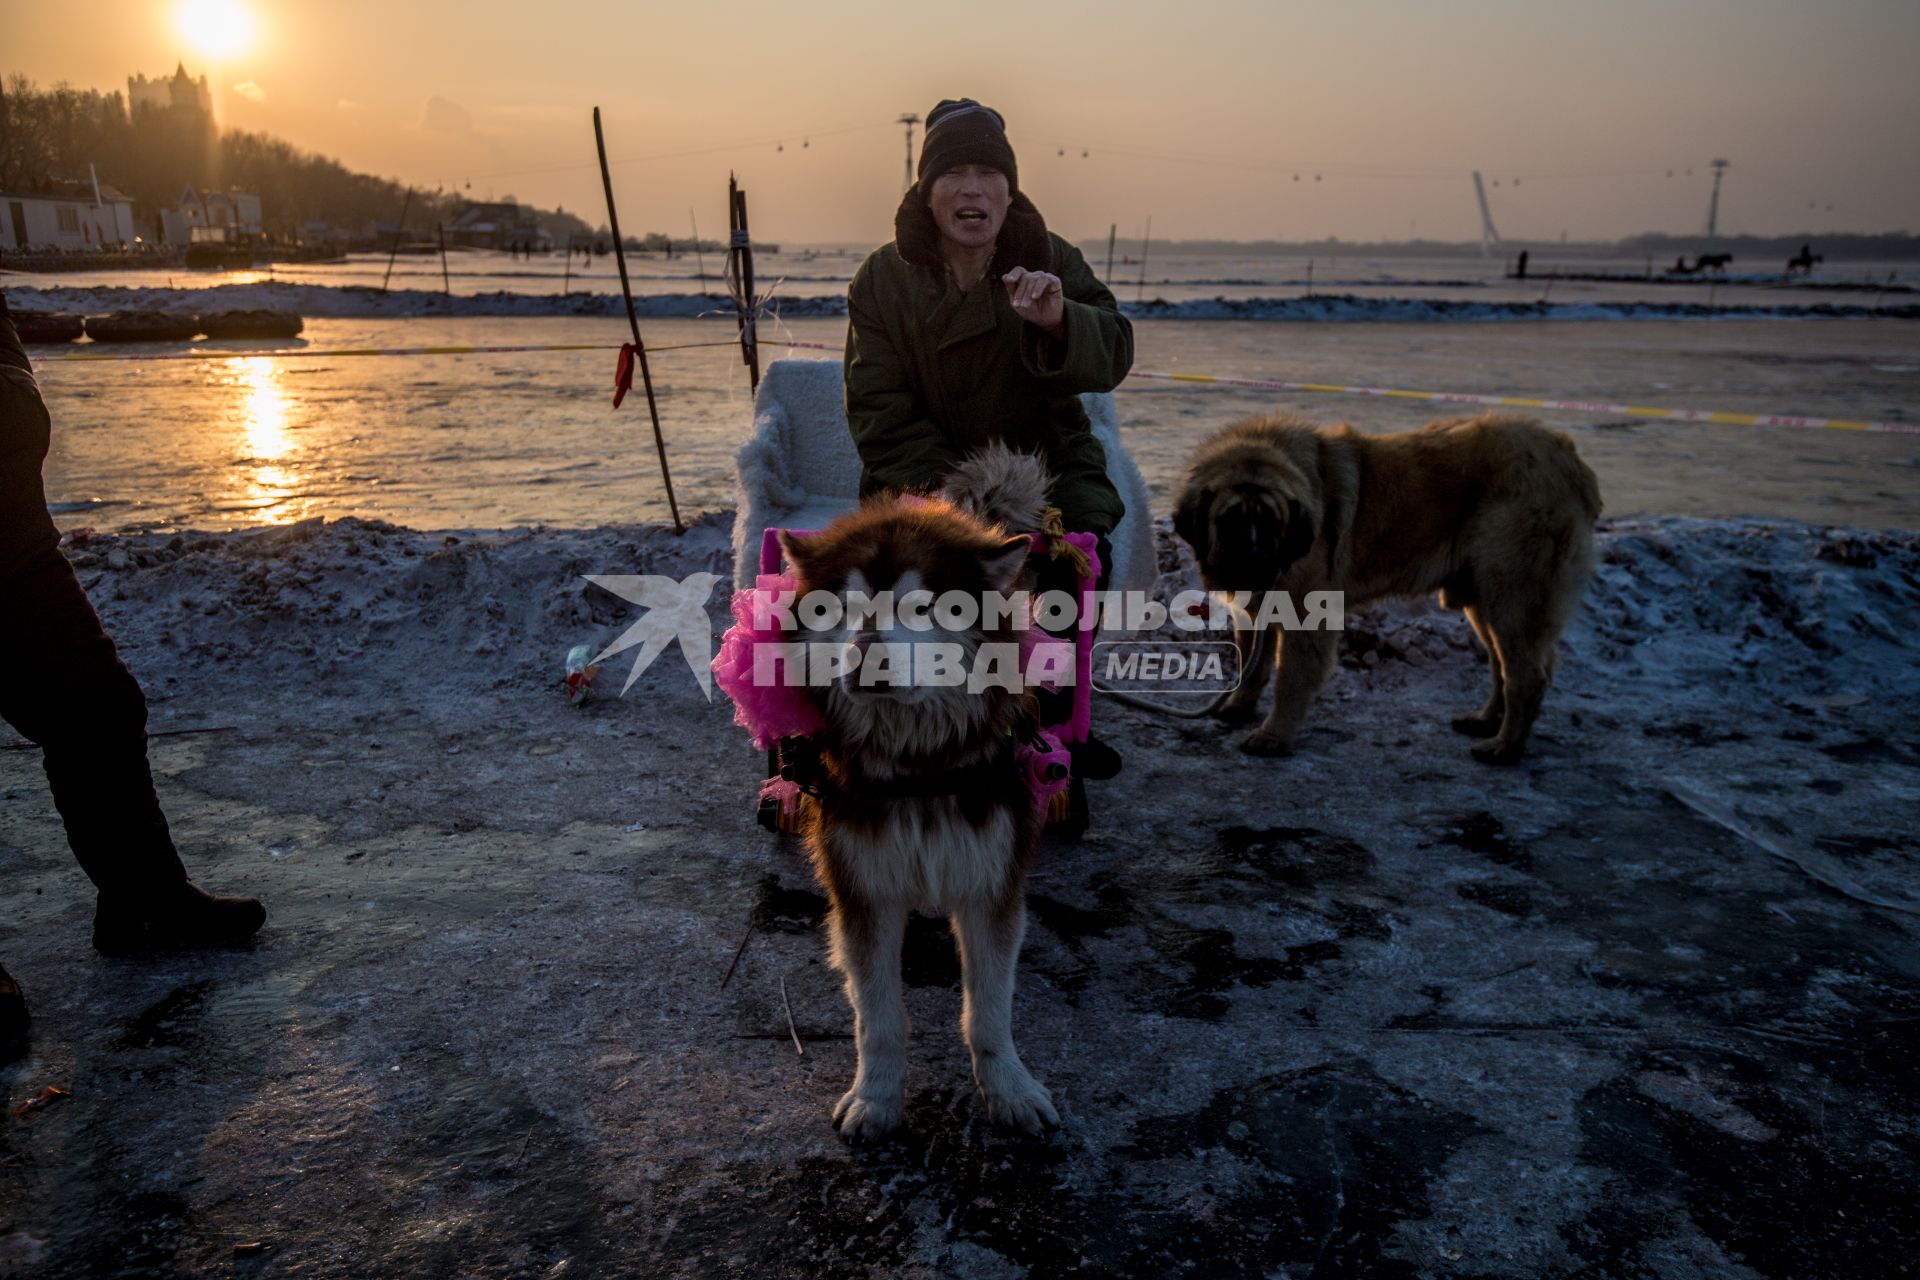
(63, 686)
(1092, 758)
(13, 1017)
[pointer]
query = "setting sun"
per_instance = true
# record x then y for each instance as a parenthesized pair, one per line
(215, 28)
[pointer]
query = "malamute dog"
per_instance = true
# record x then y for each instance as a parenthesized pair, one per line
(921, 804)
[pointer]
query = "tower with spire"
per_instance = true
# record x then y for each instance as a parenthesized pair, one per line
(176, 92)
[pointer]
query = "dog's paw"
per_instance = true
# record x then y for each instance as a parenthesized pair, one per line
(866, 1117)
(1494, 751)
(1263, 743)
(1236, 712)
(1475, 725)
(1021, 1103)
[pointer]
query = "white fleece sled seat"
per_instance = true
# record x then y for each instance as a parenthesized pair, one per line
(799, 469)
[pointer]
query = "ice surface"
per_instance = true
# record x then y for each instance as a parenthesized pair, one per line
(1628, 1007)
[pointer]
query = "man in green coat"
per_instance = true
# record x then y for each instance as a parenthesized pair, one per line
(976, 324)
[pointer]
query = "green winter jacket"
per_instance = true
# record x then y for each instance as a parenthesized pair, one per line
(932, 373)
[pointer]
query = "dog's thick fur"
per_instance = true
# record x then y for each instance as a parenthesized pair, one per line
(1494, 513)
(882, 847)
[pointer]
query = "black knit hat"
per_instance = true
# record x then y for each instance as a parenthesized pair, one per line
(961, 131)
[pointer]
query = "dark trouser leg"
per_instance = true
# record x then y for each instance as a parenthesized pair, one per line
(61, 682)
(1091, 758)
(1056, 706)
(62, 685)
(13, 1017)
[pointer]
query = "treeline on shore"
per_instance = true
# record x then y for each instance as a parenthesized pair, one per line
(152, 153)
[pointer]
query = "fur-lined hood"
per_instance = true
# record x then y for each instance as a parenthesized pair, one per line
(1023, 236)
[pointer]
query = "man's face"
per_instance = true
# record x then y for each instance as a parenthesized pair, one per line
(969, 203)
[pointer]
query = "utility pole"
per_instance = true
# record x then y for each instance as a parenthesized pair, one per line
(1713, 205)
(910, 119)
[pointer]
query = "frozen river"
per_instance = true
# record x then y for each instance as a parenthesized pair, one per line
(488, 441)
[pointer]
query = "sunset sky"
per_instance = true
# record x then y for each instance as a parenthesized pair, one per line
(1198, 114)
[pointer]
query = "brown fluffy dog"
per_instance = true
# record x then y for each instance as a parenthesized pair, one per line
(1494, 513)
(922, 804)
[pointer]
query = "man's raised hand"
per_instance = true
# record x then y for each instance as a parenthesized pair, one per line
(1038, 299)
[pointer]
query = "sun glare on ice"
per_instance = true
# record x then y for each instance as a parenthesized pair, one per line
(266, 437)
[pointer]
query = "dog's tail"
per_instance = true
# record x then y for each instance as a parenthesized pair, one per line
(1002, 487)
(1575, 474)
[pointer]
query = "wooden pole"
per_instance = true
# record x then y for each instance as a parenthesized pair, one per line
(740, 243)
(1145, 240)
(446, 283)
(398, 227)
(733, 259)
(633, 321)
(1113, 229)
(753, 320)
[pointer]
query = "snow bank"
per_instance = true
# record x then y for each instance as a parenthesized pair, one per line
(1348, 308)
(361, 302)
(1705, 616)
(1698, 612)
(365, 302)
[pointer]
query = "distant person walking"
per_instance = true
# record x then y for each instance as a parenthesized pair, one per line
(63, 685)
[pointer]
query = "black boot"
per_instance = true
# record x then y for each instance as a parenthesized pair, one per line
(1078, 818)
(13, 1018)
(179, 918)
(1094, 759)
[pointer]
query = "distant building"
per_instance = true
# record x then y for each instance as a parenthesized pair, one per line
(173, 92)
(320, 231)
(210, 217)
(498, 224)
(68, 216)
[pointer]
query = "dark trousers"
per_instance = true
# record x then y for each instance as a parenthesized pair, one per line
(61, 682)
(1056, 706)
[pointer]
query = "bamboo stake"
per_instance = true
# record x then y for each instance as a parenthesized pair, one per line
(633, 321)
(446, 283)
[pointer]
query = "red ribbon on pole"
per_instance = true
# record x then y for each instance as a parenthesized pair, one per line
(623, 373)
